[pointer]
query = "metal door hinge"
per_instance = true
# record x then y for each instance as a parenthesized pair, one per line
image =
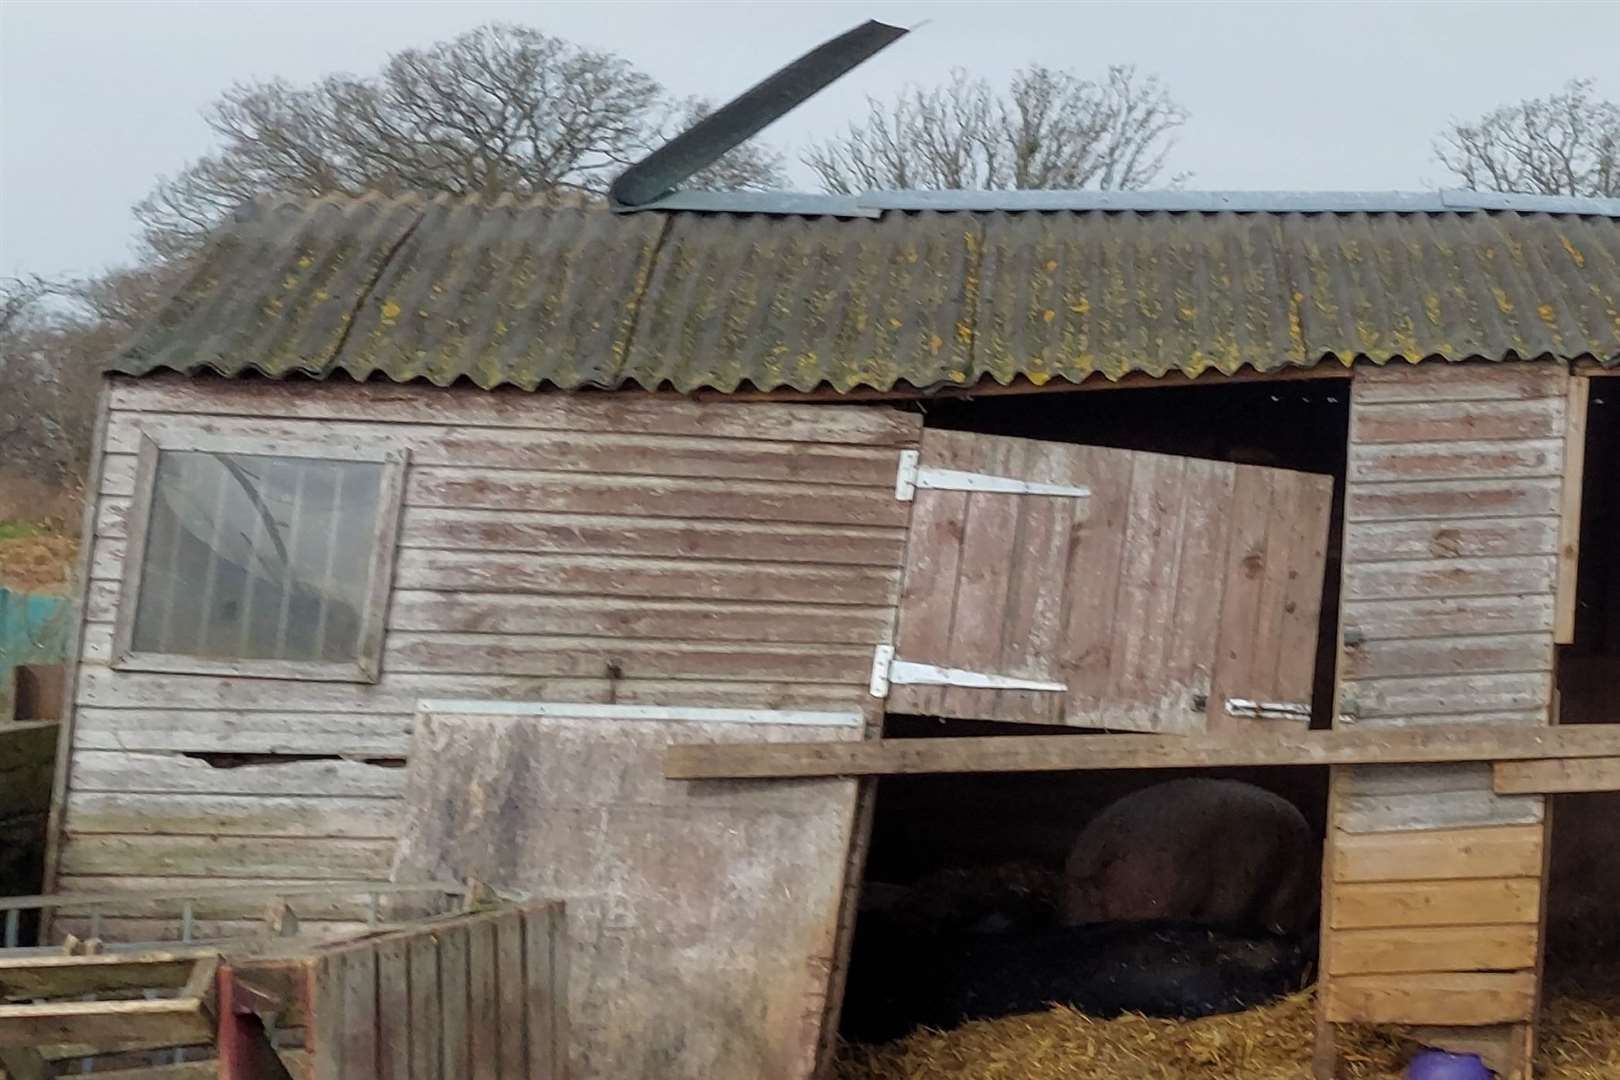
(887, 671)
(1267, 710)
(912, 475)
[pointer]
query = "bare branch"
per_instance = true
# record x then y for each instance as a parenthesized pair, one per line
(1567, 143)
(500, 109)
(1048, 129)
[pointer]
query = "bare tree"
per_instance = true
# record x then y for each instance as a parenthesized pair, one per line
(1048, 129)
(51, 352)
(500, 109)
(1567, 143)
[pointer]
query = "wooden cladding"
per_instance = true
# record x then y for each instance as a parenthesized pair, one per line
(1452, 535)
(600, 548)
(1175, 587)
(1507, 852)
(1434, 927)
(1464, 999)
(1458, 477)
(480, 997)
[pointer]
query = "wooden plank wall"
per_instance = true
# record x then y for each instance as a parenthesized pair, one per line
(481, 997)
(1435, 883)
(554, 547)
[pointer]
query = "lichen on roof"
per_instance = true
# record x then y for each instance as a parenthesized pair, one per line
(507, 294)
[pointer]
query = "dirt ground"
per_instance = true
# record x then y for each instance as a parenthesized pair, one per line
(37, 545)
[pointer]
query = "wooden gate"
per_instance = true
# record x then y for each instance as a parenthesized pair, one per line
(1057, 584)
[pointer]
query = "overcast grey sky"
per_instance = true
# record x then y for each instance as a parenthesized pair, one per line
(98, 98)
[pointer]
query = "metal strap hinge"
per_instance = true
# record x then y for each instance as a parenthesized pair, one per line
(1267, 710)
(913, 475)
(887, 671)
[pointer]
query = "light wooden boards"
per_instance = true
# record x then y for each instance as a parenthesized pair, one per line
(1465, 999)
(703, 917)
(478, 997)
(1059, 753)
(609, 548)
(1456, 539)
(1557, 776)
(1175, 586)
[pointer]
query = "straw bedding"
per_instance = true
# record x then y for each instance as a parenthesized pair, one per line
(1580, 1040)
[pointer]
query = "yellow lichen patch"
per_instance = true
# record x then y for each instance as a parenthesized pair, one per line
(1575, 255)
(958, 377)
(305, 262)
(1548, 315)
(1048, 315)
(390, 312)
(935, 343)
(1431, 308)
(1051, 265)
(964, 332)
(1081, 306)
(1503, 304)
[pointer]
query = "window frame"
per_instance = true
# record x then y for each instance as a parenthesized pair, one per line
(384, 541)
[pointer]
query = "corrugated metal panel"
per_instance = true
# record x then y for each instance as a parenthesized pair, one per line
(507, 295)
(529, 295)
(276, 289)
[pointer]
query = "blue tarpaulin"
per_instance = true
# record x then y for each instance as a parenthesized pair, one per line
(33, 629)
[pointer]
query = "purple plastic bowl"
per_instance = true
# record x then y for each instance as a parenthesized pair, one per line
(1438, 1065)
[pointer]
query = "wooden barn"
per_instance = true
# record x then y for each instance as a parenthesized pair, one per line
(610, 557)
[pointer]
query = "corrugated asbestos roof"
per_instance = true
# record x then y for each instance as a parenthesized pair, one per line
(528, 296)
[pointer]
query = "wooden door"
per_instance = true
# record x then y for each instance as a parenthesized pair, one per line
(1140, 592)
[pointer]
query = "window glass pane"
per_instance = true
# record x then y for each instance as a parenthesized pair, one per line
(250, 557)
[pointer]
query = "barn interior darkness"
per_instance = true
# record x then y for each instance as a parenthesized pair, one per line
(1583, 917)
(965, 846)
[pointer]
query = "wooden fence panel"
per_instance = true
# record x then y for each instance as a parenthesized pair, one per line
(481, 996)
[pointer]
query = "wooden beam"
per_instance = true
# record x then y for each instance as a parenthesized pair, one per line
(73, 976)
(108, 1025)
(1569, 528)
(1078, 753)
(1556, 776)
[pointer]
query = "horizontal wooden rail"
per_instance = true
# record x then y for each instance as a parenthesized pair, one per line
(1076, 752)
(231, 892)
(1554, 776)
